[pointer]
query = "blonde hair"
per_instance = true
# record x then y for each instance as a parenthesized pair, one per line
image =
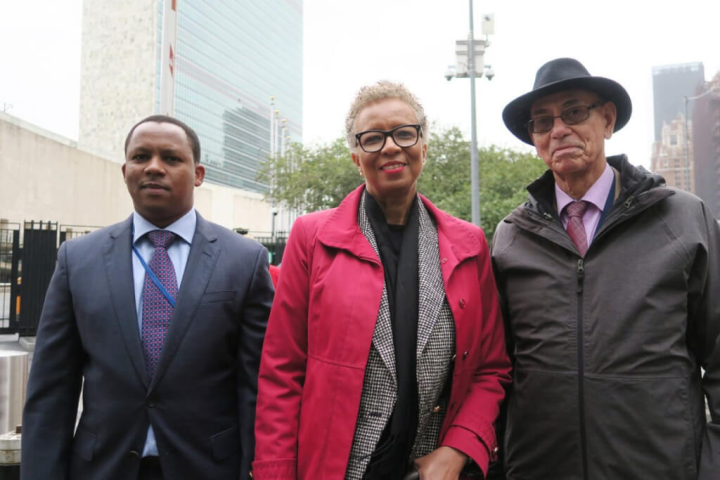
(379, 91)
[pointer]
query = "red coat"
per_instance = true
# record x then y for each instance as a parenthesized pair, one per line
(274, 274)
(319, 336)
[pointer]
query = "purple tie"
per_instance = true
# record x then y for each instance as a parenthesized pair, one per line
(156, 310)
(575, 226)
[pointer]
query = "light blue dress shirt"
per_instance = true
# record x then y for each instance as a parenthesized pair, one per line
(178, 252)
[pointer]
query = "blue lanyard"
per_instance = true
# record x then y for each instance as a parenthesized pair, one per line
(155, 280)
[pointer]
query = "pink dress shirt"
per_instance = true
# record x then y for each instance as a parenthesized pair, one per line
(596, 196)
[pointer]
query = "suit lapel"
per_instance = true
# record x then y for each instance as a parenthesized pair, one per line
(430, 365)
(382, 335)
(119, 271)
(203, 257)
(431, 289)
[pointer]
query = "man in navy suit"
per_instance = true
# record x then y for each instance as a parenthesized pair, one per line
(163, 339)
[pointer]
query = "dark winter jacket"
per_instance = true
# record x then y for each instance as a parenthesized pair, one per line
(608, 349)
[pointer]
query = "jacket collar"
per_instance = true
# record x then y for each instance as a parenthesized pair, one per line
(634, 181)
(341, 231)
(640, 190)
(458, 239)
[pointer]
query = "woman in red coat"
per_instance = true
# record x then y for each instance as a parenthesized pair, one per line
(384, 352)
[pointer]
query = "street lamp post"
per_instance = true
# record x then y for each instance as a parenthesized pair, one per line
(474, 161)
(273, 212)
(472, 72)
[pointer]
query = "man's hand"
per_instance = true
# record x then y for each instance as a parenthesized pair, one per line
(445, 463)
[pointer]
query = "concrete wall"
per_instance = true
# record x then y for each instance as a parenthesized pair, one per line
(44, 176)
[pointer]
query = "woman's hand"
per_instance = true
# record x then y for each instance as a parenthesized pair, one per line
(444, 463)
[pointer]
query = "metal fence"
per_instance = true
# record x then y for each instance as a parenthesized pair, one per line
(27, 262)
(39, 253)
(275, 245)
(68, 232)
(9, 276)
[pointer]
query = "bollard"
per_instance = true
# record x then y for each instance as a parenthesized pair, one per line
(13, 383)
(10, 455)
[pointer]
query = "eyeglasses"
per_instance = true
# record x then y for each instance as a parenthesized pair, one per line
(404, 136)
(571, 116)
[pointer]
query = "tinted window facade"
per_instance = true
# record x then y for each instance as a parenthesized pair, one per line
(231, 58)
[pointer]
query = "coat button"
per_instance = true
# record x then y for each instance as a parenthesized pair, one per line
(444, 260)
(494, 454)
(465, 354)
(453, 358)
(151, 402)
(462, 303)
(436, 409)
(134, 455)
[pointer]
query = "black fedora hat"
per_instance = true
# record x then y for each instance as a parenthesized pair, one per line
(559, 75)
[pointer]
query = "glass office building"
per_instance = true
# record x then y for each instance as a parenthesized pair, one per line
(231, 57)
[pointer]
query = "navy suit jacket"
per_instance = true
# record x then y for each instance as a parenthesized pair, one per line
(201, 400)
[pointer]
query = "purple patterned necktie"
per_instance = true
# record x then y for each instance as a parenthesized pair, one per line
(576, 227)
(156, 310)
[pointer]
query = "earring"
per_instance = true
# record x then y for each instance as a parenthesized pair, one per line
(360, 171)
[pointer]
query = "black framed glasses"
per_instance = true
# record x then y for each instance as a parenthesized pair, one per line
(404, 136)
(571, 116)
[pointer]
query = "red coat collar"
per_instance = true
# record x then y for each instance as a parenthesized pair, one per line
(457, 238)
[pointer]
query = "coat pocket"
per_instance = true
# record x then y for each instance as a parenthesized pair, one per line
(640, 427)
(212, 297)
(84, 443)
(225, 443)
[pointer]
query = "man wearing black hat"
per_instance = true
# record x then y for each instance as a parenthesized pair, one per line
(610, 284)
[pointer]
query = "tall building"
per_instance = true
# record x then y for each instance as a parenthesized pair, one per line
(706, 140)
(230, 59)
(670, 158)
(671, 83)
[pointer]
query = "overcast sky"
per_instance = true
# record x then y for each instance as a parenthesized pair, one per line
(350, 44)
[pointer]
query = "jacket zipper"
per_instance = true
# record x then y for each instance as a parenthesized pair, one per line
(579, 290)
(581, 364)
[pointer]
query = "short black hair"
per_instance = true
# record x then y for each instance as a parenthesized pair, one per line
(192, 136)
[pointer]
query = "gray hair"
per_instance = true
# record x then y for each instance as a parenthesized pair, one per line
(379, 91)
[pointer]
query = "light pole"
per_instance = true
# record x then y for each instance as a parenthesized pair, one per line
(473, 70)
(274, 153)
(474, 160)
(687, 133)
(273, 212)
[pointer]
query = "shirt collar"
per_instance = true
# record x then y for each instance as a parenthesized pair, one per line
(596, 195)
(184, 227)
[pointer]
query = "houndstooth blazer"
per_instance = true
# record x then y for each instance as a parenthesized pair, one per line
(435, 348)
